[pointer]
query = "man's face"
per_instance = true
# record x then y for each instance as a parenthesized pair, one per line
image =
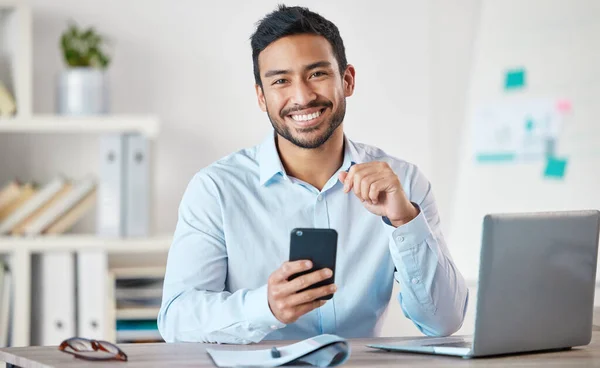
(303, 92)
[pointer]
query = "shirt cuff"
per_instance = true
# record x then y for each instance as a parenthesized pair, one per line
(410, 234)
(258, 312)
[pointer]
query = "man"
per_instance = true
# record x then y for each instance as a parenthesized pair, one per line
(227, 271)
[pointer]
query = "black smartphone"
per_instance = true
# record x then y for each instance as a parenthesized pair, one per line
(318, 246)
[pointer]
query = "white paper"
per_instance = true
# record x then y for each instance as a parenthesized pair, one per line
(516, 130)
(262, 358)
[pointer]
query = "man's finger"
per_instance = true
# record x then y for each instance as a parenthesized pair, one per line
(375, 190)
(305, 281)
(366, 183)
(307, 307)
(308, 296)
(355, 174)
(349, 177)
(288, 269)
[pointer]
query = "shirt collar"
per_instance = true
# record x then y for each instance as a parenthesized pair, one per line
(268, 159)
(270, 163)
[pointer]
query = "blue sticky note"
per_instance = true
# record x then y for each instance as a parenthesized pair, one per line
(555, 167)
(514, 79)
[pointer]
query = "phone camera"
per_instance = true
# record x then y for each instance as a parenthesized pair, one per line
(299, 233)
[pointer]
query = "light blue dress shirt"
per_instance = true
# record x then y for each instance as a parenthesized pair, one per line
(233, 231)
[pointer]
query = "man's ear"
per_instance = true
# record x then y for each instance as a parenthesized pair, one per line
(349, 80)
(261, 98)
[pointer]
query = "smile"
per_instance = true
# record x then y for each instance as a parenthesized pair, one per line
(307, 117)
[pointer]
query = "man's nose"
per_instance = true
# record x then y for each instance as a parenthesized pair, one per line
(303, 94)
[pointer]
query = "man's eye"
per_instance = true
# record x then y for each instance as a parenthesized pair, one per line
(280, 81)
(318, 74)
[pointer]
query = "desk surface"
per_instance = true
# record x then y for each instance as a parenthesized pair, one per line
(189, 354)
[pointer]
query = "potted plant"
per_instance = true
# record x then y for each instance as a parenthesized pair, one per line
(83, 86)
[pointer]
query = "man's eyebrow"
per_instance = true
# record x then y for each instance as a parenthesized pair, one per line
(318, 64)
(271, 73)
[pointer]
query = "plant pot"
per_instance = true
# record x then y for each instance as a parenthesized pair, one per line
(82, 91)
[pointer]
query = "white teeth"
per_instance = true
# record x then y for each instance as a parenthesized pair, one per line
(314, 115)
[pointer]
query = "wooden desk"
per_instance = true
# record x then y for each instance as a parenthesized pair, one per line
(194, 355)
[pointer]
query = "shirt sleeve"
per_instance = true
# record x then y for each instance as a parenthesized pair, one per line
(433, 293)
(195, 305)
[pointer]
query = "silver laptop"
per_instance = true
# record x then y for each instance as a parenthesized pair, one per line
(537, 277)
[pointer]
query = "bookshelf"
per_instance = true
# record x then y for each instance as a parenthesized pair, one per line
(16, 44)
(79, 242)
(113, 124)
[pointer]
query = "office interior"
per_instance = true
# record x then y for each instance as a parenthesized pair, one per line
(451, 86)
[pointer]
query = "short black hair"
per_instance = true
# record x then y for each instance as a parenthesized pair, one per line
(287, 21)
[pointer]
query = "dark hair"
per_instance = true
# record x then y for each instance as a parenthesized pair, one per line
(287, 21)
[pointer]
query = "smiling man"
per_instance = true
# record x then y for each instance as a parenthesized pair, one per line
(227, 270)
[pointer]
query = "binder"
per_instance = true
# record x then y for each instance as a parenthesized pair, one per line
(124, 186)
(53, 300)
(110, 204)
(92, 267)
(137, 187)
(5, 303)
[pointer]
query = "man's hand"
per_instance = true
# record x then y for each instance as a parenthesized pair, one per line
(379, 188)
(287, 305)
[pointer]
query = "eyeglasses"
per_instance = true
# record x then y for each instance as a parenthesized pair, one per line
(81, 348)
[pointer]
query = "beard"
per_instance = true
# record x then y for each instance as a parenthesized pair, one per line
(332, 124)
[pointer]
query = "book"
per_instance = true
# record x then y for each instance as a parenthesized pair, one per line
(9, 193)
(7, 102)
(30, 206)
(70, 218)
(136, 330)
(20, 229)
(27, 190)
(61, 208)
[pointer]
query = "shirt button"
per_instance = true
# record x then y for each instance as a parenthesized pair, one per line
(415, 280)
(400, 239)
(273, 327)
(319, 198)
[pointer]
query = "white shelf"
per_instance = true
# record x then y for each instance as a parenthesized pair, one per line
(10, 3)
(143, 124)
(85, 242)
(137, 313)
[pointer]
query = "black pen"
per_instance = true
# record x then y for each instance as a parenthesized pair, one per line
(275, 353)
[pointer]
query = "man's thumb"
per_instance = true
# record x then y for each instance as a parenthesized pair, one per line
(342, 176)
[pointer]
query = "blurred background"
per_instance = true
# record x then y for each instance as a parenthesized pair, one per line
(493, 100)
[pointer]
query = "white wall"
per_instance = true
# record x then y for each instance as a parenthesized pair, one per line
(190, 63)
(558, 43)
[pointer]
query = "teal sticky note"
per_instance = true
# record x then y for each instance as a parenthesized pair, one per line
(514, 79)
(555, 167)
(494, 157)
(529, 125)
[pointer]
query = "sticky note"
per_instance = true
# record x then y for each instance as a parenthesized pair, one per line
(494, 157)
(529, 125)
(563, 106)
(514, 79)
(555, 167)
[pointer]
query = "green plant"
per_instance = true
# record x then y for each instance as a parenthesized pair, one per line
(84, 48)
